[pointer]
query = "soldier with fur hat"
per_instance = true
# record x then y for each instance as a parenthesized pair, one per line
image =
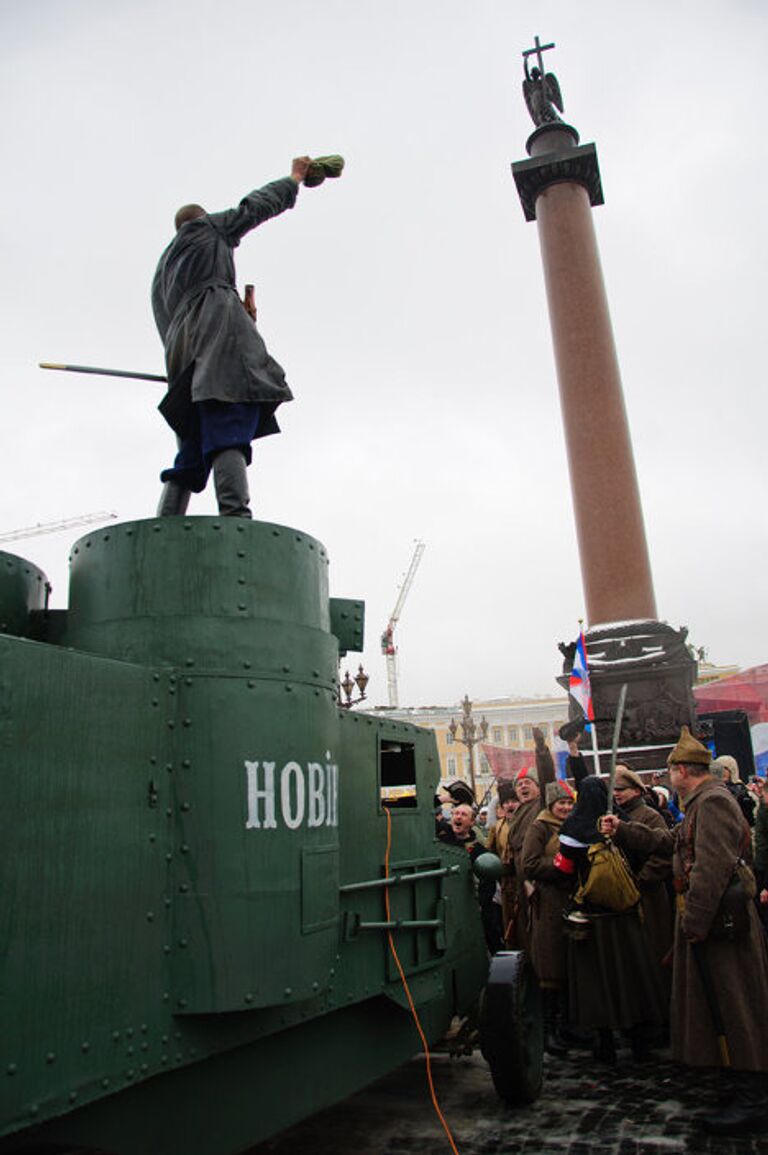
(514, 886)
(548, 903)
(652, 871)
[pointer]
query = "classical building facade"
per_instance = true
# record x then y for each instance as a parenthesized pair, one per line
(509, 742)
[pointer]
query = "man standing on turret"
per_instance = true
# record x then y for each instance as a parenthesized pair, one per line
(223, 386)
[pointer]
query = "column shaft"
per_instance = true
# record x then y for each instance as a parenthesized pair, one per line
(615, 566)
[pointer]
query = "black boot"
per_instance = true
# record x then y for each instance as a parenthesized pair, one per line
(231, 481)
(174, 500)
(604, 1048)
(553, 1040)
(747, 1110)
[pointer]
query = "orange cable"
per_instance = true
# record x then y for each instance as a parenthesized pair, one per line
(403, 979)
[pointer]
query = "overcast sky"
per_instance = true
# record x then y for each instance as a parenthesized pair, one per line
(405, 300)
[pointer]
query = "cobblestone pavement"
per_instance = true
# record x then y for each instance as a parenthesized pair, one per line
(584, 1109)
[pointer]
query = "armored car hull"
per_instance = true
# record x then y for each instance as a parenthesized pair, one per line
(195, 942)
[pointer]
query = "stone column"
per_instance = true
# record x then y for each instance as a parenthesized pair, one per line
(557, 187)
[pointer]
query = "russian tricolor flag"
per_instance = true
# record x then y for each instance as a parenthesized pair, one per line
(578, 684)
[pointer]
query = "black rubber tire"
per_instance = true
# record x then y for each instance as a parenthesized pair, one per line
(512, 1029)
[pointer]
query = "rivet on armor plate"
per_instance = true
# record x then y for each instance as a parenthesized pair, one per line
(50, 1057)
(187, 721)
(249, 998)
(11, 1069)
(186, 763)
(85, 1047)
(115, 1035)
(288, 990)
(105, 1083)
(241, 606)
(72, 1096)
(150, 916)
(145, 1046)
(251, 684)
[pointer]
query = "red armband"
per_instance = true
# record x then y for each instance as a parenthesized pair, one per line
(566, 865)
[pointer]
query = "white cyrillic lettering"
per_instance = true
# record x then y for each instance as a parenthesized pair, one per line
(292, 819)
(254, 794)
(331, 794)
(316, 794)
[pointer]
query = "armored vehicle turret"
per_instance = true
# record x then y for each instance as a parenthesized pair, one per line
(195, 938)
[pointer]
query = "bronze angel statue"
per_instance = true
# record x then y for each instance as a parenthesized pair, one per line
(542, 95)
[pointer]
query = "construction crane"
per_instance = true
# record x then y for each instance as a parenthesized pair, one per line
(388, 647)
(55, 526)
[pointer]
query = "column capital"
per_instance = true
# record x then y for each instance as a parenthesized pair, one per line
(578, 165)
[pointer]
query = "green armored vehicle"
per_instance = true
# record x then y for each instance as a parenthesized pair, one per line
(194, 931)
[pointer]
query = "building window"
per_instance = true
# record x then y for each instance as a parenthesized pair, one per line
(450, 763)
(485, 768)
(497, 735)
(527, 733)
(465, 763)
(512, 735)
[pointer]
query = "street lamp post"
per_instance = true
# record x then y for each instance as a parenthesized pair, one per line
(471, 733)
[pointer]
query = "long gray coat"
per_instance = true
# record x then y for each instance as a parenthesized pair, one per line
(709, 840)
(213, 351)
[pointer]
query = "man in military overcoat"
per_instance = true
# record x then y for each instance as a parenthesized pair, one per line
(224, 387)
(719, 984)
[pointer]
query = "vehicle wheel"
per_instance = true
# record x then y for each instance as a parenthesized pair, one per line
(511, 1028)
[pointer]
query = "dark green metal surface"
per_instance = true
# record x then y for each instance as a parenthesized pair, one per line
(187, 816)
(22, 591)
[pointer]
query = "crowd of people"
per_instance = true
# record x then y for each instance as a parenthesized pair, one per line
(643, 907)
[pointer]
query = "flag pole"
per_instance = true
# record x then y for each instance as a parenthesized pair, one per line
(595, 755)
